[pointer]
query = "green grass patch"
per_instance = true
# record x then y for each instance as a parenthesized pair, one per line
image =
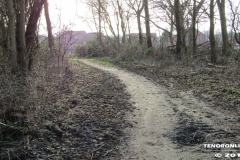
(101, 62)
(109, 59)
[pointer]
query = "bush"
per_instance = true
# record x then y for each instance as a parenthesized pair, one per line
(94, 49)
(91, 49)
(148, 51)
(81, 51)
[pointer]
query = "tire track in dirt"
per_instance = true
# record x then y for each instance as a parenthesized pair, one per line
(152, 116)
(159, 116)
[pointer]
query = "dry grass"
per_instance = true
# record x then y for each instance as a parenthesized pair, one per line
(84, 103)
(22, 98)
(23, 102)
(217, 83)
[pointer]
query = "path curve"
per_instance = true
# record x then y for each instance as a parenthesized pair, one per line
(155, 118)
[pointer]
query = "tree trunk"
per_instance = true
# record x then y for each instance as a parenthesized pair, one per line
(171, 30)
(122, 21)
(194, 28)
(179, 29)
(139, 11)
(183, 31)
(221, 7)
(49, 26)
(32, 23)
(129, 28)
(118, 32)
(139, 28)
(107, 20)
(148, 33)
(3, 32)
(235, 27)
(32, 28)
(212, 38)
(12, 34)
(99, 19)
(22, 53)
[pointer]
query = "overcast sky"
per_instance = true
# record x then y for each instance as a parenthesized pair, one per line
(67, 11)
(70, 10)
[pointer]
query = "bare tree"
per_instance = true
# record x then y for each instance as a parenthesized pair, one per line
(121, 15)
(30, 35)
(212, 38)
(22, 53)
(106, 16)
(148, 33)
(179, 29)
(194, 27)
(137, 6)
(49, 27)
(99, 21)
(120, 18)
(3, 28)
(235, 20)
(221, 8)
(117, 21)
(128, 25)
(164, 13)
(12, 33)
(23, 42)
(190, 14)
(194, 14)
(67, 40)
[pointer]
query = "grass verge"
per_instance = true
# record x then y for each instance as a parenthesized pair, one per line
(218, 85)
(98, 61)
(81, 116)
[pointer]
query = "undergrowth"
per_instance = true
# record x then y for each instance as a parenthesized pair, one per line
(22, 102)
(101, 62)
(217, 83)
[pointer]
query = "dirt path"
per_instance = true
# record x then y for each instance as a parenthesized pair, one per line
(170, 124)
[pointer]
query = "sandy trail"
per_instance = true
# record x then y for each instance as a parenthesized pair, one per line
(155, 118)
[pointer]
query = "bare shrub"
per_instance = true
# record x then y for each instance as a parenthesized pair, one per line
(81, 51)
(23, 99)
(91, 49)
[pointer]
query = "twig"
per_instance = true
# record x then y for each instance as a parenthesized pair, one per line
(96, 150)
(108, 151)
(199, 55)
(194, 135)
(5, 125)
(8, 155)
(91, 156)
(59, 150)
(53, 155)
(12, 127)
(16, 156)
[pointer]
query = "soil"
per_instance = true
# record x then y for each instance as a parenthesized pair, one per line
(81, 116)
(169, 123)
(132, 111)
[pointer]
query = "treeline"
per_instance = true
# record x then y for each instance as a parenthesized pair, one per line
(19, 38)
(27, 65)
(113, 20)
(177, 20)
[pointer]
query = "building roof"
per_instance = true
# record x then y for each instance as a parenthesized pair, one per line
(70, 39)
(87, 37)
(201, 39)
(136, 35)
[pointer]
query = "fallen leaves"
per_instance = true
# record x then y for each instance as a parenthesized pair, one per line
(82, 117)
(217, 84)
